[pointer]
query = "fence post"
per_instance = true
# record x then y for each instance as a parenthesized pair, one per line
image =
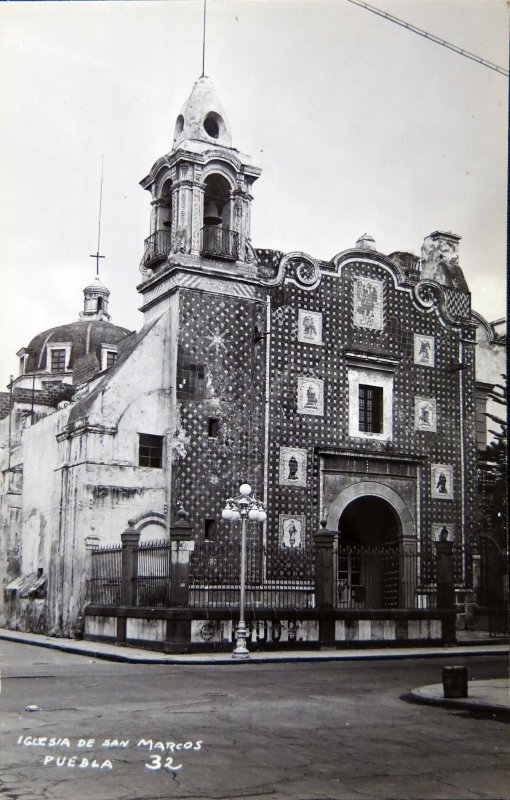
(183, 544)
(407, 573)
(130, 541)
(326, 543)
(178, 627)
(445, 588)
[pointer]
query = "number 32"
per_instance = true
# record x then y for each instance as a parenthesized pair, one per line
(156, 763)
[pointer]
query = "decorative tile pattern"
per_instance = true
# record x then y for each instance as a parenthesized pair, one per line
(310, 396)
(309, 326)
(292, 466)
(458, 303)
(425, 414)
(424, 350)
(441, 481)
(216, 333)
(368, 303)
(291, 531)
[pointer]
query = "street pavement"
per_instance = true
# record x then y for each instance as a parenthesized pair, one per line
(299, 730)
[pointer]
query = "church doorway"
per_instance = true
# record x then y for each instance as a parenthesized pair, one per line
(368, 554)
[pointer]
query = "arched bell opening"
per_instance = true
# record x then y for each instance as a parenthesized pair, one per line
(218, 238)
(165, 206)
(158, 244)
(368, 555)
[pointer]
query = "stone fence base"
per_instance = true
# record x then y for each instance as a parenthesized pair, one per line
(185, 630)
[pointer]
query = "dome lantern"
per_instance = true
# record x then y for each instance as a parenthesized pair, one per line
(95, 301)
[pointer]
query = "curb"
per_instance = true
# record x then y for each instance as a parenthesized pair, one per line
(260, 657)
(467, 704)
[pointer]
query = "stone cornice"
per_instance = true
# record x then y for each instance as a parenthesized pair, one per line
(325, 450)
(367, 360)
(201, 280)
(83, 427)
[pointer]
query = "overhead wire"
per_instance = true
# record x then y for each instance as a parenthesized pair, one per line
(432, 37)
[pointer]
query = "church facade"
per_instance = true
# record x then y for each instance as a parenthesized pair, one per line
(340, 390)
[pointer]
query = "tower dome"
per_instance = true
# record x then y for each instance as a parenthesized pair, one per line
(202, 117)
(77, 351)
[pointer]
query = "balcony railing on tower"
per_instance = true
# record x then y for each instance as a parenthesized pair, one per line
(157, 247)
(220, 242)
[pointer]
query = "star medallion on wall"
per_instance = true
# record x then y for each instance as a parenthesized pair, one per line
(216, 339)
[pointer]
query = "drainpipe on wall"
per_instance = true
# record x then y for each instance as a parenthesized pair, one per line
(266, 426)
(11, 378)
(462, 463)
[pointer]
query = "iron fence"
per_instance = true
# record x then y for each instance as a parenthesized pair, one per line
(105, 581)
(153, 576)
(275, 578)
(284, 578)
(388, 577)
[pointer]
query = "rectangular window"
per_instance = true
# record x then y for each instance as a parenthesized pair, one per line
(370, 408)
(150, 450)
(58, 360)
(213, 428)
(210, 529)
(111, 358)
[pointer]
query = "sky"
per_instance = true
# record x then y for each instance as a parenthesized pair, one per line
(359, 125)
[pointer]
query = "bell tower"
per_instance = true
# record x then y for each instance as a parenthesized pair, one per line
(200, 194)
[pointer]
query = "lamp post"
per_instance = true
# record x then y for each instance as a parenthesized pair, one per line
(243, 507)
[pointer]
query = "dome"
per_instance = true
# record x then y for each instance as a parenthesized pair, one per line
(202, 117)
(83, 338)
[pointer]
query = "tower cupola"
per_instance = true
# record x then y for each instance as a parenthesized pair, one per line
(202, 117)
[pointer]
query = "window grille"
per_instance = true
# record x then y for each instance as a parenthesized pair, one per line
(58, 360)
(150, 450)
(370, 408)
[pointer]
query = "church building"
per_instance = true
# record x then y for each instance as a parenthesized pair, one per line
(342, 390)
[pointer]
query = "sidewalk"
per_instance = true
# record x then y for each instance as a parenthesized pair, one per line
(483, 696)
(135, 655)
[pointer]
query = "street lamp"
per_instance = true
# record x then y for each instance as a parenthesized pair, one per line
(243, 507)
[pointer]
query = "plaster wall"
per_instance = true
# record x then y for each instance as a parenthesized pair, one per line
(103, 487)
(490, 365)
(41, 498)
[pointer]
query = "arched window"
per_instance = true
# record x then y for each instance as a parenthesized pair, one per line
(218, 238)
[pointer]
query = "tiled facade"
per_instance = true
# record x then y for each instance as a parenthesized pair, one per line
(283, 397)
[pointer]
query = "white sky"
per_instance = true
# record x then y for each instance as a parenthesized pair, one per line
(359, 126)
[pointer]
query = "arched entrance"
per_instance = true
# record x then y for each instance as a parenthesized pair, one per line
(368, 554)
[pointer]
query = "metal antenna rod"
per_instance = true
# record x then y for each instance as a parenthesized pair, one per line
(96, 255)
(203, 42)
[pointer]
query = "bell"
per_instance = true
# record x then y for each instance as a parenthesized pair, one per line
(212, 215)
